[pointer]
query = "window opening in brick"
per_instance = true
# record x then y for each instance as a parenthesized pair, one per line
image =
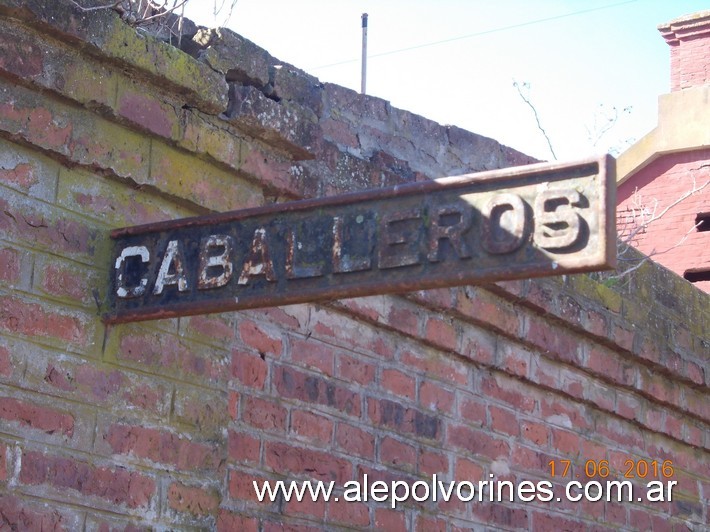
(702, 222)
(697, 275)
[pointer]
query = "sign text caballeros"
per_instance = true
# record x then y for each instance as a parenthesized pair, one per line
(519, 222)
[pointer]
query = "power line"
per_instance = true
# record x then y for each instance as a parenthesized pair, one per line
(480, 33)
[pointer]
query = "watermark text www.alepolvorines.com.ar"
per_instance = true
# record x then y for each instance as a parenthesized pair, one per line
(399, 491)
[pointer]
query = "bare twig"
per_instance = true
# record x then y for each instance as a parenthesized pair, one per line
(537, 117)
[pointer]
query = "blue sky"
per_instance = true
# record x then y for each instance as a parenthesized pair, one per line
(455, 61)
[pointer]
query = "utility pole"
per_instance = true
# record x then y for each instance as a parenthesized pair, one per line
(364, 54)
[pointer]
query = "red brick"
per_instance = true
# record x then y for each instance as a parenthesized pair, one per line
(3, 462)
(434, 397)
(233, 400)
(477, 442)
(608, 364)
(398, 383)
(254, 336)
(118, 486)
(388, 519)
(251, 370)
(283, 458)
(9, 266)
(294, 384)
(596, 323)
(695, 372)
(479, 346)
(19, 514)
(554, 521)
(402, 419)
(483, 307)
(559, 412)
(441, 333)
(306, 507)
(472, 409)
(429, 524)
(436, 364)
(5, 362)
(503, 420)
(264, 414)
(213, 328)
(163, 447)
(514, 360)
(404, 320)
(494, 513)
(355, 441)
(468, 471)
(629, 406)
(355, 370)
(67, 282)
(164, 352)
(318, 429)
(192, 500)
(314, 354)
(568, 443)
(229, 522)
(552, 339)
(147, 112)
(509, 391)
(243, 448)
(431, 463)
(354, 514)
(241, 487)
(36, 417)
(398, 454)
(34, 320)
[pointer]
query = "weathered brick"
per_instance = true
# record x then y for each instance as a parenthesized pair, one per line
(353, 513)
(293, 384)
(3, 462)
(167, 353)
(34, 320)
(162, 446)
(264, 414)
(503, 420)
(283, 458)
(441, 333)
(436, 364)
(476, 442)
(403, 419)
(227, 522)
(398, 383)
(398, 454)
(313, 427)
(193, 500)
(5, 362)
(197, 181)
(117, 486)
(256, 337)
(353, 369)
(250, 370)
(355, 441)
(243, 448)
(21, 514)
(314, 354)
(206, 411)
(434, 397)
(48, 420)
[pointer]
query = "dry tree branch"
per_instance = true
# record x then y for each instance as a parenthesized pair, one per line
(537, 117)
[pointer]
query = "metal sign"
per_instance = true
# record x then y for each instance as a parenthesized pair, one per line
(543, 219)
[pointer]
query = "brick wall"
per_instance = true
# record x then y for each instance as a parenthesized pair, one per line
(164, 425)
(663, 192)
(688, 38)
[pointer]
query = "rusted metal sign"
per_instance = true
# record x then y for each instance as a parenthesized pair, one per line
(537, 220)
